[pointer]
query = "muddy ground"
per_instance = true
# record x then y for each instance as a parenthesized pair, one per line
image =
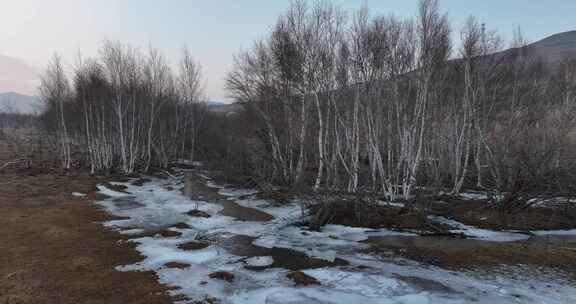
(554, 253)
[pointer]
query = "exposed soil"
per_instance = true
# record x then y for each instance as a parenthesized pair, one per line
(357, 213)
(222, 275)
(193, 246)
(542, 251)
(54, 249)
(302, 279)
(176, 265)
(241, 245)
(480, 214)
(196, 189)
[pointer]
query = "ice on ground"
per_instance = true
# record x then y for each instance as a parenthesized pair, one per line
(368, 279)
(554, 232)
(473, 196)
(152, 206)
(260, 261)
(233, 192)
(393, 204)
(109, 192)
(483, 234)
(132, 231)
(364, 283)
(357, 234)
(287, 295)
(282, 212)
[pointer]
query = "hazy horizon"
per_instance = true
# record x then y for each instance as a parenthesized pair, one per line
(31, 31)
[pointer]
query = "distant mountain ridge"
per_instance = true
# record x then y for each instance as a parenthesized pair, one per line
(223, 108)
(16, 75)
(19, 103)
(553, 49)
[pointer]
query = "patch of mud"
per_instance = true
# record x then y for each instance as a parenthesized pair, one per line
(547, 241)
(127, 203)
(181, 226)
(169, 233)
(557, 252)
(222, 275)
(483, 215)
(197, 213)
(193, 246)
(359, 213)
(301, 279)
(401, 242)
(197, 190)
(242, 213)
(176, 265)
(241, 245)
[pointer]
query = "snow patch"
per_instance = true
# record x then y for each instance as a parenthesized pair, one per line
(483, 234)
(109, 192)
(555, 232)
(237, 192)
(260, 261)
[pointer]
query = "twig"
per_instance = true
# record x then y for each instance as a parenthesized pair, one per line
(167, 173)
(14, 162)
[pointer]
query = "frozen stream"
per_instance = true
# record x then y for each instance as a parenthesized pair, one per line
(260, 252)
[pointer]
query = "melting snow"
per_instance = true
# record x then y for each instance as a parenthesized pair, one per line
(368, 279)
(260, 261)
(473, 196)
(237, 192)
(483, 234)
(555, 232)
(109, 192)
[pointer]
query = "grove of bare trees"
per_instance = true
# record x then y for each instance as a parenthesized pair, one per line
(124, 111)
(386, 105)
(333, 102)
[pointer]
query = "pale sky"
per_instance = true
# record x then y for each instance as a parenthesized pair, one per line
(215, 30)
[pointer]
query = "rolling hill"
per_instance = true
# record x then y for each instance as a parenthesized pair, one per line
(19, 103)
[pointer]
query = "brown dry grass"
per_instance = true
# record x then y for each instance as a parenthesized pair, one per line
(54, 249)
(484, 255)
(479, 215)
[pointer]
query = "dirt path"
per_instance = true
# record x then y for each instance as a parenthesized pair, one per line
(53, 249)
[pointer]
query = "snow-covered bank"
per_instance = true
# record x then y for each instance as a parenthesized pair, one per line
(160, 204)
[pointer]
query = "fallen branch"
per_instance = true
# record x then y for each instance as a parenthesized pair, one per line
(15, 162)
(167, 173)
